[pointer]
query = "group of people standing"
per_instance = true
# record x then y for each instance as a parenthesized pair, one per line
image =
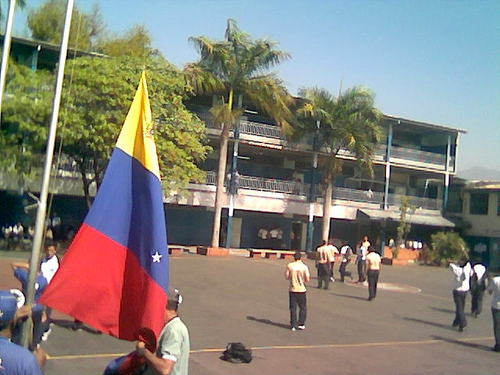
(297, 272)
(474, 278)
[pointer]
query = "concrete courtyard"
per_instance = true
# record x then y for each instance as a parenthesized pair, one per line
(405, 330)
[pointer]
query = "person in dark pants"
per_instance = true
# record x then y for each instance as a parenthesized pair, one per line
(346, 253)
(325, 260)
(460, 290)
(373, 261)
(494, 288)
(361, 253)
(298, 274)
(477, 288)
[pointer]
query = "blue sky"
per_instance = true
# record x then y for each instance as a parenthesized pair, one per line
(428, 60)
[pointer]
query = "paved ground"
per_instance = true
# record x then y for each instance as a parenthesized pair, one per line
(239, 299)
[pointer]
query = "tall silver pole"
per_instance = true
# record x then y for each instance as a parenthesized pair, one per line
(6, 50)
(42, 206)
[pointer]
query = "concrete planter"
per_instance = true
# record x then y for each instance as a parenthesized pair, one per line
(212, 251)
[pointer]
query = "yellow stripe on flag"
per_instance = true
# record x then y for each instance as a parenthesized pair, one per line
(136, 137)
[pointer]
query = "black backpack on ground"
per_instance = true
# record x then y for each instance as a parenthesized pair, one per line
(236, 352)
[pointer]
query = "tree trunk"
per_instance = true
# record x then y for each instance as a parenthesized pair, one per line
(327, 205)
(219, 187)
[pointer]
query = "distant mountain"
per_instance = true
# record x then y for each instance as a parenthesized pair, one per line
(479, 173)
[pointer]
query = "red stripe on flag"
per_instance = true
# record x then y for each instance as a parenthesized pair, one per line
(114, 294)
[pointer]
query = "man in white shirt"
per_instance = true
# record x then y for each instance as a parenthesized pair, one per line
(494, 288)
(477, 288)
(298, 274)
(461, 286)
(172, 354)
(346, 253)
(373, 266)
(362, 252)
(325, 261)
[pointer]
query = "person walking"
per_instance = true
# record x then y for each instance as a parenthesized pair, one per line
(477, 287)
(361, 259)
(460, 288)
(345, 253)
(494, 288)
(172, 353)
(298, 274)
(373, 261)
(324, 261)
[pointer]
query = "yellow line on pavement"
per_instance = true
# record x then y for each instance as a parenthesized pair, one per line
(209, 350)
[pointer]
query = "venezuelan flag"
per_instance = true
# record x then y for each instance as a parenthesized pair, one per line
(115, 274)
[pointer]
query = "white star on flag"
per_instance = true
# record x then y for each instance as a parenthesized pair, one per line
(156, 257)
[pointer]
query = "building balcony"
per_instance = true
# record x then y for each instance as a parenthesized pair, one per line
(354, 196)
(272, 136)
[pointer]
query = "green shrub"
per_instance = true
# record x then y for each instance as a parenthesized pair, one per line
(447, 247)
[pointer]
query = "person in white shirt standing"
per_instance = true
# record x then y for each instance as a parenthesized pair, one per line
(460, 288)
(346, 253)
(298, 274)
(494, 288)
(325, 261)
(373, 261)
(477, 287)
(361, 258)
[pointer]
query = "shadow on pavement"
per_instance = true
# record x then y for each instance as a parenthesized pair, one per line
(349, 296)
(70, 324)
(448, 311)
(434, 324)
(270, 322)
(463, 343)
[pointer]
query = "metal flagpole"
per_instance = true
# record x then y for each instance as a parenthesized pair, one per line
(6, 50)
(42, 205)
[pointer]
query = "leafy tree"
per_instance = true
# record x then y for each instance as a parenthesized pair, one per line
(349, 122)
(95, 102)
(448, 247)
(20, 3)
(136, 42)
(406, 209)
(25, 113)
(47, 22)
(236, 70)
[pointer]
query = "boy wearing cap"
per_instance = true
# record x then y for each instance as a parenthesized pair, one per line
(14, 359)
(172, 354)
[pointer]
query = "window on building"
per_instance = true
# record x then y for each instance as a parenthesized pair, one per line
(479, 203)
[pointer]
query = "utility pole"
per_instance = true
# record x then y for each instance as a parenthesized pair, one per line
(42, 204)
(233, 180)
(6, 50)
(312, 196)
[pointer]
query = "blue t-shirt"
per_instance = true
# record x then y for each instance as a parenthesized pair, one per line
(16, 360)
(41, 283)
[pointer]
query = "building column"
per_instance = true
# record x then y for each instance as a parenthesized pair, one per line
(447, 174)
(312, 196)
(388, 167)
(34, 58)
(383, 225)
(234, 180)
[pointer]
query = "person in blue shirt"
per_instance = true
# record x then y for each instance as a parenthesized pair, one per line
(14, 359)
(40, 322)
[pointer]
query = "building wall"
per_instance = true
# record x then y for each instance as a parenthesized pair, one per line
(483, 225)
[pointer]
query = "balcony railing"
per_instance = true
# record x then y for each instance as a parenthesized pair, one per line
(340, 193)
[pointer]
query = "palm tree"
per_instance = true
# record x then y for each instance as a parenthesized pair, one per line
(20, 3)
(349, 122)
(233, 69)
